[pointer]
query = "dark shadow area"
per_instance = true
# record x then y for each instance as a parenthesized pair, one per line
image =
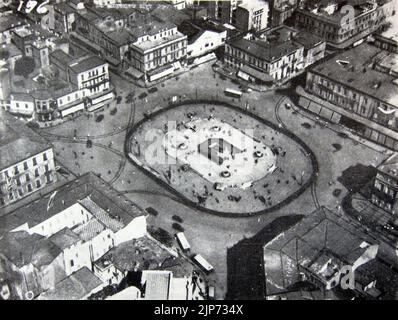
(245, 262)
(356, 177)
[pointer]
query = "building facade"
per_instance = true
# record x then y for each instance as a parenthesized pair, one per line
(27, 161)
(78, 224)
(273, 56)
(385, 189)
(328, 21)
(252, 15)
(357, 88)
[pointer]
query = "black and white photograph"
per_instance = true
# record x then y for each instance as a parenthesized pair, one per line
(211, 151)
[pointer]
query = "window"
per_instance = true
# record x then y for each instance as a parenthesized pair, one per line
(29, 187)
(37, 172)
(16, 171)
(72, 263)
(27, 177)
(45, 156)
(25, 165)
(34, 161)
(38, 184)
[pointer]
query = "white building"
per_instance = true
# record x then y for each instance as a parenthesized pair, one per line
(26, 162)
(77, 224)
(203, 37)
(252, 15)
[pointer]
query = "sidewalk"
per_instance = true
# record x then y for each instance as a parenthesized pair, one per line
(231, 74)
(336, 127)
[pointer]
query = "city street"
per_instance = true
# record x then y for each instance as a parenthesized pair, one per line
(209, 235)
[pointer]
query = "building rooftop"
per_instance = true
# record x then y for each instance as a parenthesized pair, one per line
(121, 36)
(64, 239)
(10, 21)
(265, 50)
(17, 141)
(390, 166)
(75, 287)
(86, 63)
(353, 68)
(64, 8)
(157, 284)
(331, 11)
(194, 29)
(62, 57)
(320, 242)
(88, 185)
(307, 39)
(22, 248)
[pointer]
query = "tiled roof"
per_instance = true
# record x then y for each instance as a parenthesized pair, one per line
(17, 141)
(75, 287)
(69, 194)
(157, 284)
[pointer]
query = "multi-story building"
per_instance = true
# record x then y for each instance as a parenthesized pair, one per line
(74, 225)
(8, 24)
(65, 16)
(149, 46)
(357, 88)
(26, 163)
(252, 15)
(273, 56)
(223, 10)
(281, 11)
(330, 21)
(158, 49)
(203, 37)
(385, 189)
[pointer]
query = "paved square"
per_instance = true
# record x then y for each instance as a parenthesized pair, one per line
(220, 153)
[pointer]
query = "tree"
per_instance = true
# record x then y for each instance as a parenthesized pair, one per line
(4, 54)
(24, 66)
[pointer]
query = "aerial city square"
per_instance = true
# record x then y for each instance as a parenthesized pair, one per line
(199, 150)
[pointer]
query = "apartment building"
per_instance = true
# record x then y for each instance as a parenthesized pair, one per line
(385, 191)
(273, 56)
(330, 23)
(26, 163)
(252, 15)
(73, 226)
(357, 88)
(158, 49)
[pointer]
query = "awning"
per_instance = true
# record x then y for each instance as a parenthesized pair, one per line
(256, 74)
(133, 72)
(160, 72)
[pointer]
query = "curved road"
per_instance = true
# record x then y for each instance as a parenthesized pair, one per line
(279, 103)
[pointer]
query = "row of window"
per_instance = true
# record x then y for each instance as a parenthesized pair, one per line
(16, 169)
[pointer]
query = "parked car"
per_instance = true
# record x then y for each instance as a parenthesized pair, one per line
(152, 211)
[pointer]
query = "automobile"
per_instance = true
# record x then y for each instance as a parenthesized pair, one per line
(142, 95)
(177, 218)
(153, 90)
(152, 211)
(99, 118)
(178, 227)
